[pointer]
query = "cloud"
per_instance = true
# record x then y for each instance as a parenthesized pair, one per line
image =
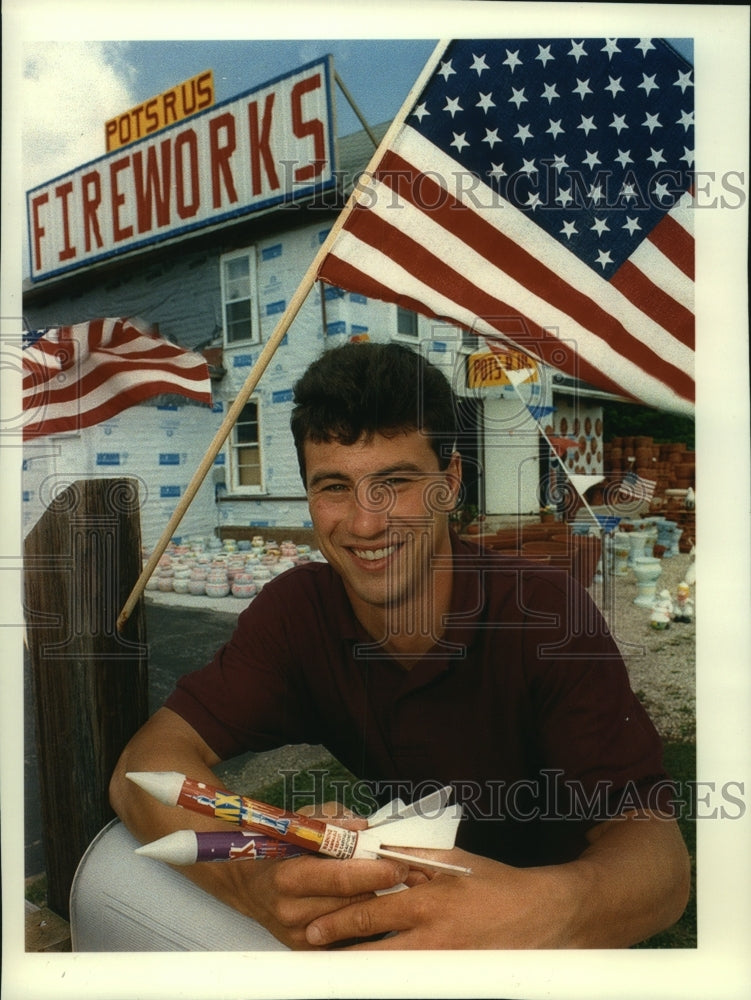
(68, 91)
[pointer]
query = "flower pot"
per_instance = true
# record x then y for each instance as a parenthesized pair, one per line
(548, 548)
(555, 553)
(674, 548)
(621, 549)
(637, 546)
(243, 586)
(647, 571)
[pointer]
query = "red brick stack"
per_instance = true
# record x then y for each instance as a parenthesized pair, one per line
(671, 466)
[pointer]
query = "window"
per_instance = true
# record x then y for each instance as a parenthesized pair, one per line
(246, 470)
(473, 341)
(238, 278)
(406, 323)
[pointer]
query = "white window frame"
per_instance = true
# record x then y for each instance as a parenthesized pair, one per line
(234, 486)
(229, 295)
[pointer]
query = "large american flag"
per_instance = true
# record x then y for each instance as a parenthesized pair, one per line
(539, 192)
(77, 376)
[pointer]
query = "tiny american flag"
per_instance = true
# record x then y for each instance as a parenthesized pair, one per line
(77, 376)
(635, 487)
(538, 192)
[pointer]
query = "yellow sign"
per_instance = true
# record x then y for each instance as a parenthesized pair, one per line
(489, 368)
(172, 106)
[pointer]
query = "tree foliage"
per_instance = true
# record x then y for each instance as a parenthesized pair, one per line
(627, 420)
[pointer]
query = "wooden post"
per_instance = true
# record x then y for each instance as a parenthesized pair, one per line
(89, 679)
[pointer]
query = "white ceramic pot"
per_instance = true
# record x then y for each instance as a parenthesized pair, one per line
(647, 571)
(244, 586)
(621, 549)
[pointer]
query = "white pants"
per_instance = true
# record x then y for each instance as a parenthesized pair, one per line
(120, 901)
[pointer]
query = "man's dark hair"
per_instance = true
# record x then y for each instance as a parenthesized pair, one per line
(367, 388)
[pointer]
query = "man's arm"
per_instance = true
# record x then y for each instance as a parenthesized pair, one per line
(630, 882)
(284, 896)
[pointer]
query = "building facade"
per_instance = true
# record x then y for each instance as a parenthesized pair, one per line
(220, 287)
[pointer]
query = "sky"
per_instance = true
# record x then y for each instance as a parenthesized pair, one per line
(69, 89)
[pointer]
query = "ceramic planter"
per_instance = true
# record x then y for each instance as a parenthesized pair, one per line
(647, 571)
(621, 551)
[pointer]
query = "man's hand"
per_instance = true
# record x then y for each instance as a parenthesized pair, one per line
(286, 896)
(495, 903)
(630, 882)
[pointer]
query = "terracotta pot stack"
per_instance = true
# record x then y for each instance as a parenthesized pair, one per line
(671, 466)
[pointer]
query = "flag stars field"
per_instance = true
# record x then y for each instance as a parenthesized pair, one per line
(491, 113)
(593, 198)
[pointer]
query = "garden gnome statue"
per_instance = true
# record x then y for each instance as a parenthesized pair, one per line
(662, 611)
(684, 606)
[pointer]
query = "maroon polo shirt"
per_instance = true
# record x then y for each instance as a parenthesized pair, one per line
(524, 705)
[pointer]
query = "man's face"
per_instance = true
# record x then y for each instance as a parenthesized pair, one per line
(380, 510)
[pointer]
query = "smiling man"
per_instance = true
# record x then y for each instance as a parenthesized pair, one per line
(369, 503)
(419, 661)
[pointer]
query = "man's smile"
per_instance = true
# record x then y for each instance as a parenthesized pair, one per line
(372, 555)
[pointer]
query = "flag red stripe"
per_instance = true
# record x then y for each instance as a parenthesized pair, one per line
(110, 408)
(655, 302)
(117, 383)
(108, 367)
(538, 341)
(520, 265)
(676, 243)
(100, 368)
(436, 273)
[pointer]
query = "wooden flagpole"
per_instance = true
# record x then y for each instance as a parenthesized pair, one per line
(271, 345)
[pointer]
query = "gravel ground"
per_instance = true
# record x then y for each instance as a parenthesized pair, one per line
(661, 666)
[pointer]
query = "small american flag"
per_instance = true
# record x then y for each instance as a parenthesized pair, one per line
(635, 487)
(77, 376)
(538, 192)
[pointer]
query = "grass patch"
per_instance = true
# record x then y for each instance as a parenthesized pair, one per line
(35, 890)
(680, 764)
